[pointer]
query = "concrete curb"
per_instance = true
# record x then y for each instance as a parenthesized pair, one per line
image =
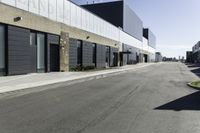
(194, 87)
(79, 79)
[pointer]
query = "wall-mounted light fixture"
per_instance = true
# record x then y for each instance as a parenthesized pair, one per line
(17, 19)
(87, 37)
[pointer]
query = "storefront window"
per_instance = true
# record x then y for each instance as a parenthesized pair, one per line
(40, 52)
(2, 48)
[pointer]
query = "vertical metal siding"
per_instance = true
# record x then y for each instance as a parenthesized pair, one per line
(100, 56)
(67, 12)
(72, 53)
(132, 23)
(19, 61)
(87, 54)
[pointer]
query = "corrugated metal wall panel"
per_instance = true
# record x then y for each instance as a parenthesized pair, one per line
(132, 23)
(43, 8)
(34, 6)
(19, 61)
(87, 54)
(52, 9)
(60, 11)
(101, 52)
(72, 53)
(66, 12)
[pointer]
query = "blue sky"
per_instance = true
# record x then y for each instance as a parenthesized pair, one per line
(176, 23)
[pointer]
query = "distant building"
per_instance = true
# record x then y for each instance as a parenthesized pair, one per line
(189, 58)
(182, 59)
(158, 57)
(171, 59)
(196, 53)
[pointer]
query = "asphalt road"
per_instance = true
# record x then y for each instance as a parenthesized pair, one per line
(154, 99)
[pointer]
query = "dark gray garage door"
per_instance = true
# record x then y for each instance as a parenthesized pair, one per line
(54, 58)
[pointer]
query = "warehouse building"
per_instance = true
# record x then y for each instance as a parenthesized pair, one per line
(120, 14)
(159, 57)
(194, 56)
(150, 40)
(60, 36)
(189, 57)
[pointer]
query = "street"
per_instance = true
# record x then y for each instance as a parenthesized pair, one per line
(154, 99)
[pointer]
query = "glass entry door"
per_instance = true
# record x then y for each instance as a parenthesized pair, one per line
(40, 52)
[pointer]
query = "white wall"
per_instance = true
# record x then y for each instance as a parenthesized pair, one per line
(68, 13)
(145, 45)
(151, 50)
(129, 40)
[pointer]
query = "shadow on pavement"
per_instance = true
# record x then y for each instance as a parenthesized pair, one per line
(189, 102)
(194, 68)
(192, 65)
(196, 71)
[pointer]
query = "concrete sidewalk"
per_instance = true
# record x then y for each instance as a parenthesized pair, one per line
(14, 83)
